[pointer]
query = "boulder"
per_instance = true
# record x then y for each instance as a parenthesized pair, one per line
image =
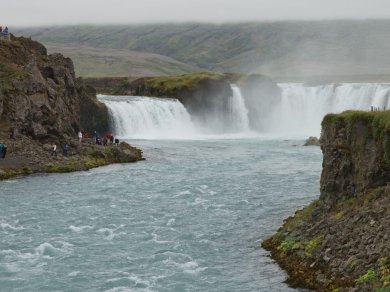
(312, 141)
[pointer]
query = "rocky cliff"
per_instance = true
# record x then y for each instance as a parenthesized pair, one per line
(40, 94)
(44, 103)
(341, 241)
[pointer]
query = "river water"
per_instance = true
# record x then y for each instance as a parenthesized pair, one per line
(189, 218)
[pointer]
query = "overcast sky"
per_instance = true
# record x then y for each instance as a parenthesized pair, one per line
(49, 12)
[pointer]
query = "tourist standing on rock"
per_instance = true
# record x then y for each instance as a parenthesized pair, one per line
(65, 149)
(4, 150)
(80, 135)
(53, 150)
(12, 133)
(112, 139)
(105, 141)
(116, 141)
(1, 149)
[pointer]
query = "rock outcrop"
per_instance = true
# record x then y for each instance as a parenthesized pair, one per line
(44, 103)
(312, 141)
(341, 241)
(40, 94)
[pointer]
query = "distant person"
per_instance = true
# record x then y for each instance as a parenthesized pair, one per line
(53, 150)
(1, 28)
(4, 150)
(12, 133)
(108, 136)
(97, 138)
(112, 139)
(65, 149)
(5, 31)
(1, 149)
(116, 141)
(105, 141)
(80, 135)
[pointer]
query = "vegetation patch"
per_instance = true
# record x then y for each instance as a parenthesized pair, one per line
(312, 245)
(378, 278)
(171, 84)
(289, 245)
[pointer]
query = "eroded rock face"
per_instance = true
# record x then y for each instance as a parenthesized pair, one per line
(335, 241)
(312, 141)
(353, 160)
(40, 95)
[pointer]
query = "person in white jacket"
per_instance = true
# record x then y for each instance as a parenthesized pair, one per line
(80, 135)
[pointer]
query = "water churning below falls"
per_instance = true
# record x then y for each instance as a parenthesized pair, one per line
(189, 218)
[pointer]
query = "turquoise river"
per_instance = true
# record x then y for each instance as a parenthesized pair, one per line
(189, 218)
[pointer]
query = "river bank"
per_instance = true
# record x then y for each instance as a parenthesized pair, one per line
(340, 241)
(26, 156)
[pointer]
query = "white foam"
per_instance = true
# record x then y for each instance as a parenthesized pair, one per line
(171, 221)
(74, 273)
(46, 249)
(109, 233)
(7, 226)
(79, 229)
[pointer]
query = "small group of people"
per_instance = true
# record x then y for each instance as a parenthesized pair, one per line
(65, 149)
(5, 30)
(109, 138)
(4, 34)
(82, 135)
(3, 150)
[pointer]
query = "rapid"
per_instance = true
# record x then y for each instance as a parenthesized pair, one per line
(189, 218)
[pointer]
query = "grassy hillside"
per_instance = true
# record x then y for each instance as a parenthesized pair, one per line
(100, 62)
(279, 49)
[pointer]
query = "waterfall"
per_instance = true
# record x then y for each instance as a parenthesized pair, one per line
(149, 118)
(301, 108)
(238, 111)
(298, 113)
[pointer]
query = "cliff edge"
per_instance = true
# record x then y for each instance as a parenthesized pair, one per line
(341, 241)
(43, 103)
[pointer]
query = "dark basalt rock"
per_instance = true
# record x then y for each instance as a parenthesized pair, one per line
(44, 102)
(334, 242)
(312, 141)
(40, 95)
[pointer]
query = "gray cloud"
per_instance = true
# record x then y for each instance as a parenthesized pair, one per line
(49, 12)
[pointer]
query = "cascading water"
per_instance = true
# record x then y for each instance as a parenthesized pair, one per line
(149, 118)
(298, 113)
(238, 111)
(302, 108)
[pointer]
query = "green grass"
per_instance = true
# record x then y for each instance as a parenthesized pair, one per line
(169, 84)
(7, 75)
